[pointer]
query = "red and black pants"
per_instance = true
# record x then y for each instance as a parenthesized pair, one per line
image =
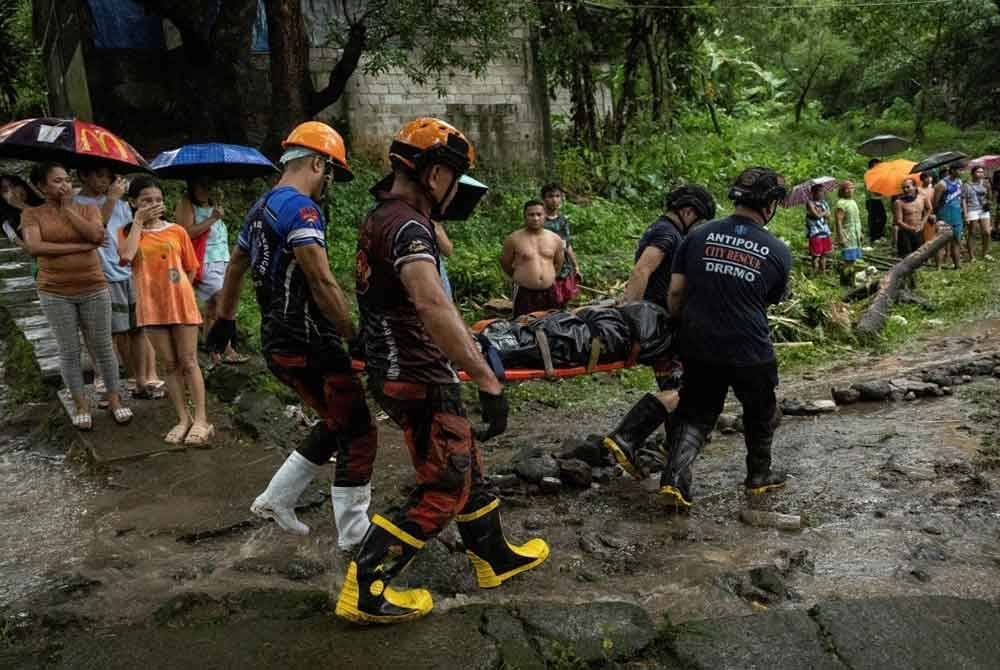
(438, 435)
(329, 386)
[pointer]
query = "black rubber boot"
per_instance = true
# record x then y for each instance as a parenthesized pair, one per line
(685, 442)
(366, 596)
(494, 559)
(760, 477)
(640, 422)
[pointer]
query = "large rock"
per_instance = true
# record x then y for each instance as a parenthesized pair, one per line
(979, 368)
(513, 643)
(535, 469)
(574, 472)
(918, 388)
(845, 396)
(905, 633)
(874, 391)
(777, 639)
(795, 407)
(590, 450)
(594, 632)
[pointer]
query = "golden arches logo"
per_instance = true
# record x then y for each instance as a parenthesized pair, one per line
(88, 136)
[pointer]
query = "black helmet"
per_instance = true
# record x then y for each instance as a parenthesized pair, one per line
(694, 196)
(758, 187)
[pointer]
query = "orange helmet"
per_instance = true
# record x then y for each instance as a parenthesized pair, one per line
(427, 141)
(324, 140)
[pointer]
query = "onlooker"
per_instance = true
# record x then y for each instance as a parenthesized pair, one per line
(72, 290)
(876, 211)
(926, 191)
(532, 256)
(163, 267)
(569, 275)
(948, 209)
(847, 221)
(977, 201)
(15, 197)
(103, 190)
(817, 229)
(202, 219)
(445, 250)
(909, 215)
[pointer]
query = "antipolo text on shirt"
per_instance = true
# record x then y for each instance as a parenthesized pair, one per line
(733, 255)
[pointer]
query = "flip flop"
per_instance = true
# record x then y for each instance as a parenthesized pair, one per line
(177, 434)
(151, 392)
(103, 403)
(235, 358)
(199, 435)
(82, 421)
(122, 415)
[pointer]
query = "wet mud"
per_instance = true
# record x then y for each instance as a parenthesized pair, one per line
(896, 499)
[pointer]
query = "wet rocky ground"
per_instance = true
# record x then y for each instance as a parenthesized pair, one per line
(118, 552)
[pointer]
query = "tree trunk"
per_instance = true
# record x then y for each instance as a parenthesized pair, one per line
(625, 109)
(540, 85)
(357, 41)
(873, 320)
(291, 84)
(655, 77)
(214, 83)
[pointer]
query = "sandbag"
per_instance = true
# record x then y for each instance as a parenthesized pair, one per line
(608, 324)
(649, 325)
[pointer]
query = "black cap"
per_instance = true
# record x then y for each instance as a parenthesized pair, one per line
(758, 187)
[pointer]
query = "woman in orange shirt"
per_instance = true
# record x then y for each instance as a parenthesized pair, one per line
(163, 266)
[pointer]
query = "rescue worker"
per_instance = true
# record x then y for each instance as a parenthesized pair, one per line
(725, 275)
(305, 322)
(650, 280)
(412, 335)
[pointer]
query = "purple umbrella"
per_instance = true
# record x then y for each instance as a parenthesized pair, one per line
(803, 192)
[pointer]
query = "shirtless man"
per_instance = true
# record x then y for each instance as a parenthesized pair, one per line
(532, 256)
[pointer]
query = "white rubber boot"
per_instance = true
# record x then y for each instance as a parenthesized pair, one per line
(350, 512)
(278, 500)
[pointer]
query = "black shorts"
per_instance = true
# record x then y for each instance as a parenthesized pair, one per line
(907, 241)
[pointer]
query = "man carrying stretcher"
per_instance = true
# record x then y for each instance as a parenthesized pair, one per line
(650, 280)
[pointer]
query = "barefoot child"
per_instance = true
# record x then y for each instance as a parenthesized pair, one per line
(163, 265)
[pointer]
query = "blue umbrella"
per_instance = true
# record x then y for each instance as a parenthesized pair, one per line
(214, 160)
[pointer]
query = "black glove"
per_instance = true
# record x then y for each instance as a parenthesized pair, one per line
(221, 335)
(495, 410)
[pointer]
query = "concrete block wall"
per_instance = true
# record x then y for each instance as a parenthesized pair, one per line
(497, 110)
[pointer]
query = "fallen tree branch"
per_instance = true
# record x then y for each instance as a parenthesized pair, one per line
(873, 319)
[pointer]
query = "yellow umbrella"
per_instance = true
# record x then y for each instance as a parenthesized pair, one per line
(887, 178)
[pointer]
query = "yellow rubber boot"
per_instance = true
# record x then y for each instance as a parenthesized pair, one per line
(494, 559)
(366, 596)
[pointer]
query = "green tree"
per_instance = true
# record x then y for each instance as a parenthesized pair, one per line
(22, 84)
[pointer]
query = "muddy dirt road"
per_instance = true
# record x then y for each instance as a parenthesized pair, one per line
(897, 499)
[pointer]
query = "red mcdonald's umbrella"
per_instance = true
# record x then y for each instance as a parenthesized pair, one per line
(70, 141)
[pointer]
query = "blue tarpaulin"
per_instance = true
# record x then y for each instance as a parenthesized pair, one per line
(123, 24)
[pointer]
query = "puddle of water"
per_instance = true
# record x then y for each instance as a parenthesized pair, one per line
(43, 505)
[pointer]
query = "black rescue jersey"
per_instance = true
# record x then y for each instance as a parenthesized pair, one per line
(662, 235)
(291, 323)
(396, 344)
(733, 270)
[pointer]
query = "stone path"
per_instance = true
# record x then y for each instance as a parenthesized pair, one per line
(19, 297)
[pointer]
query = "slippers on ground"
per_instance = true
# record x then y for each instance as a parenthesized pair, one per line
(151, 392)
(130, 384)
(234, 358)
(82, 421)
(199, 435)
(177, 434)
(122, 415)
(99, 385)
(103, 403)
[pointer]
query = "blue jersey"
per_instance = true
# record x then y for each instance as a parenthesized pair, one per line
(291, 323)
